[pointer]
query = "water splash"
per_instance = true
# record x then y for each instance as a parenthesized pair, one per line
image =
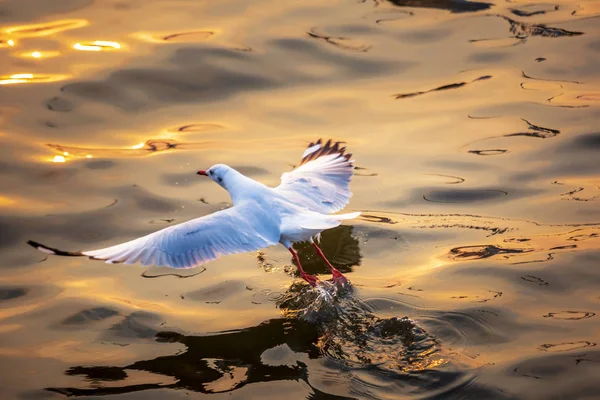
(352, 334)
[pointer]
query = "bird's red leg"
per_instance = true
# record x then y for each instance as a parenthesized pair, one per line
(337, 275)
(308, 278)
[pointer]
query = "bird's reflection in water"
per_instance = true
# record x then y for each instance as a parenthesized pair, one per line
(234, 357)
(338, 245)
(326, 323)
(230, 360)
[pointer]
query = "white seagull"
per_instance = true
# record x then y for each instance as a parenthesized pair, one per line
(299, 209)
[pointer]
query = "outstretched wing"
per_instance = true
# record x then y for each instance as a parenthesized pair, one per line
(186, 245)
(321, 181)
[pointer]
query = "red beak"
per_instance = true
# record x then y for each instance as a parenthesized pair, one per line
(202, 172)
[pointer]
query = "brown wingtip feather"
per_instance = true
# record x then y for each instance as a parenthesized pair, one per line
(328, 148)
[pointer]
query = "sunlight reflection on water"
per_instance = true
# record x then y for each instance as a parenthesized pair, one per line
(474, 129)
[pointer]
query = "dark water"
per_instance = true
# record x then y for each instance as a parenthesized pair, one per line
(475, 265)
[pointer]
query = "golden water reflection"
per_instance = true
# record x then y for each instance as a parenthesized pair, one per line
(193, 36)
(39, 54)
(31, 78)
(7, 43)
(474, 129)
(97, 45)
(45, 29)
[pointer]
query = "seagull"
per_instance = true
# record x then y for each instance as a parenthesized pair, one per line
(299, 209)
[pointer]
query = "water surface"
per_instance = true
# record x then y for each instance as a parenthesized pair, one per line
(474, 125)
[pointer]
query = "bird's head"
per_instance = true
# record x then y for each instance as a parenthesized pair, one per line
(218, 173)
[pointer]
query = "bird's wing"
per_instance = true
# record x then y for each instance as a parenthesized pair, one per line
(186, 245)
(321, 181)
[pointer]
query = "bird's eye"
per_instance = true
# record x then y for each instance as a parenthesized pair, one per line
(210, 172)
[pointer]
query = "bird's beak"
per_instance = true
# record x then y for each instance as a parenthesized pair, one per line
(202, 172)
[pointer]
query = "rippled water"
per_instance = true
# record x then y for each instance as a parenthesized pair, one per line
(474, 125)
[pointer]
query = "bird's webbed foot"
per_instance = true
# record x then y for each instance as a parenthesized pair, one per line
(311, 279)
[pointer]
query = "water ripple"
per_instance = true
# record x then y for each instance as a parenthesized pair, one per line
(566, 346)
(570, 315)
(341, 42)
(442, 88)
